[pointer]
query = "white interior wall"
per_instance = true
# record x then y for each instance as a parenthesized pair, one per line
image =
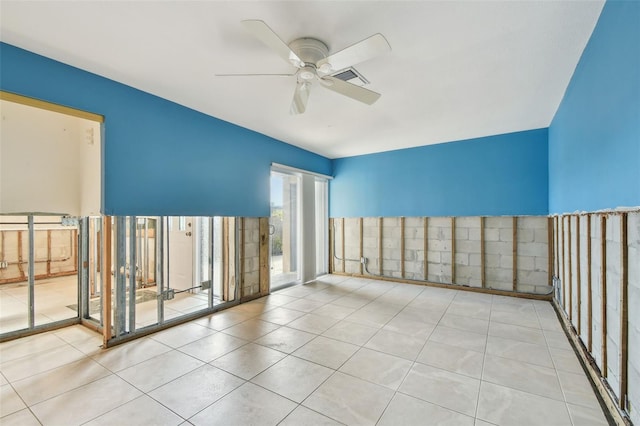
(47, 164)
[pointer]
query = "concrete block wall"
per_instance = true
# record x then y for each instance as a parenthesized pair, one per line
(408, 233)
(414, 248)
(391, 247)
(371, 243)
(468, 251)
(532, 235)
(251, 261)
(352, 245)
(498, 236)
(580, 267)
(439, 250)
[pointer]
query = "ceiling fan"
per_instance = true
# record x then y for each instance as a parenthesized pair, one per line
(311, 57)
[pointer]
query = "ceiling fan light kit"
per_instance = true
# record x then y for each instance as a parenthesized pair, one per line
(311, 57)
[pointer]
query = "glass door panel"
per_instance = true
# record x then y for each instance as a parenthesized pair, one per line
(284, 229)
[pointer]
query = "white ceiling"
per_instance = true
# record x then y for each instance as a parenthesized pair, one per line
(457, 69)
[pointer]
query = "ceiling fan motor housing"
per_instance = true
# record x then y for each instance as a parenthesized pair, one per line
(310, 50)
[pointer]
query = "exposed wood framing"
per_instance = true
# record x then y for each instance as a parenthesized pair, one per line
(106, 290)
(332, 239)
(242, 239)
(483, 273)
(361, 244)
(344, 257)
(551, 254)
(453, 250)
(564, 270)
(74, 249)
(589, 290)
(402, 246)
(603, 291)
(624, 310)
(557, 246)
(514, 253)
(225, 258)
(380, 221)
(592, 370)
(48, 251)
(570, 274)
(264, 255)
(20, 258)
(425, 268)
(578, 277)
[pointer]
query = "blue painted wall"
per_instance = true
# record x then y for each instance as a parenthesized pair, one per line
(594, 139)
(496, 175)
(160, 158)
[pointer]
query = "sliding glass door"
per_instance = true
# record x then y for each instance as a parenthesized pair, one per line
(284, 230)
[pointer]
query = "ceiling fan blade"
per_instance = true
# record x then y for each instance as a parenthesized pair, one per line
(300, 98)
(350, 90)
(266, 35)
(356, 53)
(254, 75)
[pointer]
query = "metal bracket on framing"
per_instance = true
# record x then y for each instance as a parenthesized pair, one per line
(168, 294)
(205, 285)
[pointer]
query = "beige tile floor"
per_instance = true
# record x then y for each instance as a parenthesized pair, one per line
(337, 351)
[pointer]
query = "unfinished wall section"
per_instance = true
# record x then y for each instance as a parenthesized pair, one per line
(424, 249)
(633, 254)
(391, 247)
(250, 231)
(439, 246)
(414, 248)
(499, 252)
(468, 247)
(597, 267)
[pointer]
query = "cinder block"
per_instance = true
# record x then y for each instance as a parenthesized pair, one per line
(498, 222)
(467, 246)
(491, 234)
(506, 234)
(506, 262)
(542, 264)
(475, 260)
(492, 260)
(526, 263)
(462, 259)
(433, 257)
(542, 236)
(439, 222)
(474, 234)
(468, 222)
(525, 235)
(445, 258)
(494, 247)
(462, 233)
(438, 245)
(413, 222)
(534, 249)
(414, 244)
(369, 242)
